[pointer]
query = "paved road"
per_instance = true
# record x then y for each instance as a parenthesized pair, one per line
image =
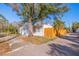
(67, 45)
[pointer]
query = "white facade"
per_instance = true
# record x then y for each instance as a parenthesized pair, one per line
(39, 32)
(24, 29)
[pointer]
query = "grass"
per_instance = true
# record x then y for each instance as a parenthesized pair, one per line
(35, 39)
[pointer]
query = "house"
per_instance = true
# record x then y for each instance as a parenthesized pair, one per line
(49, 31)
(44, 30)
(24, 29)
(38, 30)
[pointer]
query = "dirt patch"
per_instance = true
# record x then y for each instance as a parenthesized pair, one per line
(34, 39)
(4, 47)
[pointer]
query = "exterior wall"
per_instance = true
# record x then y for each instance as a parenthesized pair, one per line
(39, 32)
(49, 33)
(23, 31)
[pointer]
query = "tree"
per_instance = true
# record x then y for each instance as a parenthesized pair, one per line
(58, 13)
(60, 10)
(58, 24)
(32, 12)
(75, 26)
(10, 29)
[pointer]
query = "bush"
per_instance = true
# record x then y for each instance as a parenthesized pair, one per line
(11, 30)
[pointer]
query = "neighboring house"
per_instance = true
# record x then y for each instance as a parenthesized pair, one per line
(49, 31)
(24, 29)
(38, 29)
(44, 30)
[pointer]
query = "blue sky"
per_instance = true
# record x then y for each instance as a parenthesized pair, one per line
(71, 16)
(8, 13)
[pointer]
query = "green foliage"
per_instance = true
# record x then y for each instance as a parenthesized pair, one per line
(58, 24)
(11, 29)
(75, 26)
(38, 11)
(6, 27)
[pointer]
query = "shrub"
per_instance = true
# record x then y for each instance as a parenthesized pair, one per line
(11, 30)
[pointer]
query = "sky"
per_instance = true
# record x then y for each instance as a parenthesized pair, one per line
(72, 15)
(69, 17)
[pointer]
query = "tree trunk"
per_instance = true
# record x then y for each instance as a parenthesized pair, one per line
(57, 32)
(30, 27)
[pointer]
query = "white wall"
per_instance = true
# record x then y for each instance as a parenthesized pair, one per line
(40, 32)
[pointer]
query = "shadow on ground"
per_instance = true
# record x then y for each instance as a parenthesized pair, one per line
(62, 50)
(70, 38)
